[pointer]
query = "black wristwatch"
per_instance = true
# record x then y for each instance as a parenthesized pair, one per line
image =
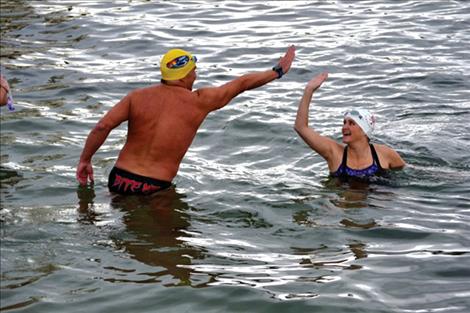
(278, 70)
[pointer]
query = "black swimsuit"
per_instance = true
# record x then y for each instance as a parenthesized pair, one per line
(127, 183)
(374, 169)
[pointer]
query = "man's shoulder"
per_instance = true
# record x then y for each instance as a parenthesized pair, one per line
(156, 90)
(148, 88)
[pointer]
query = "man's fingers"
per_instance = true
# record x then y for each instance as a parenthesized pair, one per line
(83, 174)
(287, 59)
(90, 174)
(82, 180)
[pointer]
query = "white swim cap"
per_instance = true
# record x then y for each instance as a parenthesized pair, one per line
(363, 118)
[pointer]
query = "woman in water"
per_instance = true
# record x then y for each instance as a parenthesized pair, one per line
(357, 157)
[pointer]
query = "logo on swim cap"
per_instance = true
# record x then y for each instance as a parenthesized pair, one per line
(363, 118)
(176, 64)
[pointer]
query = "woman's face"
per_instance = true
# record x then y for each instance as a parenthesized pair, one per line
(351, 131)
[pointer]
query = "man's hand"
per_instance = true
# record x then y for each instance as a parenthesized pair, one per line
(84, 171)
(286, 61)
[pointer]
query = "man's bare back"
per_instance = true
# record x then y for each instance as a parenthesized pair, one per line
(163, 120)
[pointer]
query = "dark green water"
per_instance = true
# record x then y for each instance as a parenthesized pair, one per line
(253, 223)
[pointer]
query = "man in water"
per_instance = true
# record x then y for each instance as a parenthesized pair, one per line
(162, 122)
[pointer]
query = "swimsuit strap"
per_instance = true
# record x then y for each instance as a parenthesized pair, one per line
(342, 167)
(345, 157)
(375, 156)
(344, 171)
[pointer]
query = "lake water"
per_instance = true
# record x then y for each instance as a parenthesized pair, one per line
(253, 224)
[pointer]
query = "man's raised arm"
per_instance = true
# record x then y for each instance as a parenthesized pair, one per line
(214, 98)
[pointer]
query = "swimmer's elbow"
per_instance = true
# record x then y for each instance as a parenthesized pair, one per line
(102, 127)
(300, 128)
(397, 167)
(297, 129)
(402, 165)
(398, 164)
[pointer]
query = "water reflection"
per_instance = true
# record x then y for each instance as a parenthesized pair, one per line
(348, 195)
(8, 179)
(154, 228)
(358, 194)
(353, 199)
(330, 256)
(86, 196)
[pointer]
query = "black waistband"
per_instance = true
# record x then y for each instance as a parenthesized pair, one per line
(124, 182)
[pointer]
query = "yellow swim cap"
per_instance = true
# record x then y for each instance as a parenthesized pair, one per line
(176, 64)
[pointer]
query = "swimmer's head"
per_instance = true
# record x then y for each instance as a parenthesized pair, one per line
(363, 118)
(176, 64)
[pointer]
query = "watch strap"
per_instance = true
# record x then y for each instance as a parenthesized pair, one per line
(278, 70)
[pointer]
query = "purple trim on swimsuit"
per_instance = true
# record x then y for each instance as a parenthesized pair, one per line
(345, 171)
(366, 172)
